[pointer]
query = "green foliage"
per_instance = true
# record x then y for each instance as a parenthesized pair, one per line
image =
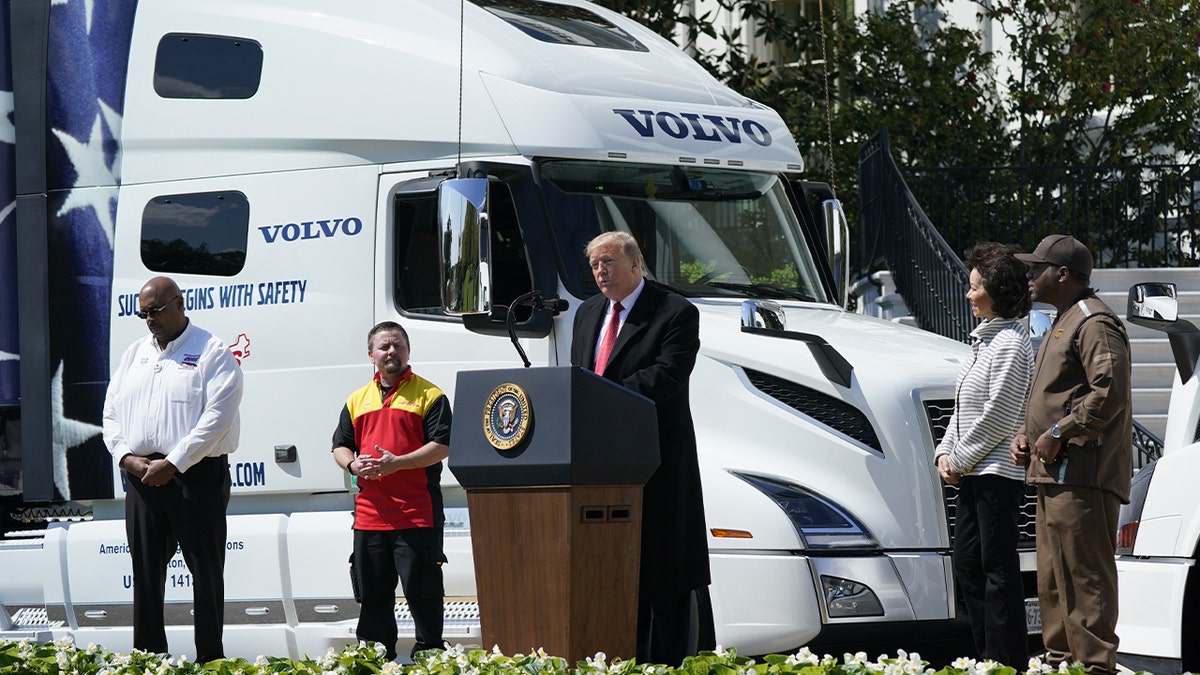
(1102, 83)
(62, 657)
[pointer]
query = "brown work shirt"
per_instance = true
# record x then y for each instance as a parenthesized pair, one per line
(1081, 382)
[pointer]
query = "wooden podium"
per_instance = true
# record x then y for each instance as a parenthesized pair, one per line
(553, 461)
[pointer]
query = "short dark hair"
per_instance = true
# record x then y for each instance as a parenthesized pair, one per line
(386, 325)
(1003, 277)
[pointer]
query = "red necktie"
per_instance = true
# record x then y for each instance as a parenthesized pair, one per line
(610, 339)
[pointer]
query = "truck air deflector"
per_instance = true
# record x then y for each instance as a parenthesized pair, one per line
(833, 365)
(828, 410)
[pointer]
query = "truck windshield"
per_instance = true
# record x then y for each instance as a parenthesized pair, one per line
(704, 231)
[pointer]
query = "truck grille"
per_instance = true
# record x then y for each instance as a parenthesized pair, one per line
(939, 418)
(828, 410)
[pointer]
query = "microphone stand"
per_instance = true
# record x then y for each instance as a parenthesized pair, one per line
(535, 300)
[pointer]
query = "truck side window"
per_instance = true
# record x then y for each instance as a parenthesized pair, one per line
(198, 233)
(418, 278)
(188, 65)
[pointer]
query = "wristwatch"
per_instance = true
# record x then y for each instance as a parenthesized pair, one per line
(1055, 432)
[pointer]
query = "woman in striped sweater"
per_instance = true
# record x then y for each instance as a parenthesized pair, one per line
(989, 406)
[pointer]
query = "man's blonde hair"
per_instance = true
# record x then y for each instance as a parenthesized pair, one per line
(624, 241)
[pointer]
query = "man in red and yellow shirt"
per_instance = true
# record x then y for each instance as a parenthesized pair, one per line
(393, 435)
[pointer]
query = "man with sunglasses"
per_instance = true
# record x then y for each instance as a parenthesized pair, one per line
(170, 420)
(1077, 445)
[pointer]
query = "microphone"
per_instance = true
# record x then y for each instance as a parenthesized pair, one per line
(535, 300)
(554, 304)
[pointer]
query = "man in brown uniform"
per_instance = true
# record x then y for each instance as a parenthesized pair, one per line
(1078, 434)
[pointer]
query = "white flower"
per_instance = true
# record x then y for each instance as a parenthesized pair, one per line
(598, 662)
(803, 656)
(261, 660)
(858, 659)
(963, 663)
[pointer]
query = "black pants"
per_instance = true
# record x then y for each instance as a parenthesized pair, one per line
(413, 557)
(189, 514)
(988, 567)
(673, 627)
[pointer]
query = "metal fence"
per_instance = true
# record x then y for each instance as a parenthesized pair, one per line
(1131, 216)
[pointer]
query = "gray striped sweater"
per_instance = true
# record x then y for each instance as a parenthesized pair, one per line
(989, 402)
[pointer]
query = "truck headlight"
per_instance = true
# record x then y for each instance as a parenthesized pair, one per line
(819, 523)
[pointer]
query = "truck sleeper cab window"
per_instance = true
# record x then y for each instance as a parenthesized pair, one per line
(197, 233)
(189, 65)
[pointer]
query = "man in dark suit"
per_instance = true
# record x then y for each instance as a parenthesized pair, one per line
(657, 337)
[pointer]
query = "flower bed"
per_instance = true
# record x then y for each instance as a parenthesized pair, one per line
(63, 657)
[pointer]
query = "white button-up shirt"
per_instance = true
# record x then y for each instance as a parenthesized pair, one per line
(181, 401)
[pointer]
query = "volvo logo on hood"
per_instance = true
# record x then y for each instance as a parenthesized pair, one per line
(716, 128)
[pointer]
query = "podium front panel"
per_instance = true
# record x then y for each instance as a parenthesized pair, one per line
(550, 426)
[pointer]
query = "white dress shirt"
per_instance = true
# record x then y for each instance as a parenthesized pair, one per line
(626, 304)
(181, 401)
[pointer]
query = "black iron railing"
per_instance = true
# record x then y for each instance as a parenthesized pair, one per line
(895, 233)
(1130, 216)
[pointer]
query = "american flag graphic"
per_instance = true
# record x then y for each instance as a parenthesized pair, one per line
(87, 59)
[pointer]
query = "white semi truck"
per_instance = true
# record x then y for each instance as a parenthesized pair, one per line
(285, 161)
(1158, 543)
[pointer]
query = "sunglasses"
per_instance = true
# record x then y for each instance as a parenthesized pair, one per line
(154, 311)
(150, 312)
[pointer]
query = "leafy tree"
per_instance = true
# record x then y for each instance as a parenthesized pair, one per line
(1099, 83)
(1104, 82)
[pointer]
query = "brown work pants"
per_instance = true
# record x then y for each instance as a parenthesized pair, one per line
(1077, 575)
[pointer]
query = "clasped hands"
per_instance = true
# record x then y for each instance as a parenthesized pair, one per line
(373, 468)
(152, 472)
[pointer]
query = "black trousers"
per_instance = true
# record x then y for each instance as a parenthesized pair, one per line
(414, 558)
(189, 514)
(988, 568)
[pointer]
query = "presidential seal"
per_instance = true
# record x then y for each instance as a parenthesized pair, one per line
(506, 416)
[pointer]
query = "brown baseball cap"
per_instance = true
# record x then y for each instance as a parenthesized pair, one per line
(1061, 250)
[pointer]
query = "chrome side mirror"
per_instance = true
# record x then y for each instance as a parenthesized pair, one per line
(837, 233)
(763, 314)
(1039, 325)
(465, 253)
(1154, 305)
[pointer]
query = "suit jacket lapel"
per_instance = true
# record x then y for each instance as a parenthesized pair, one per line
(593, 316)
(640, 316)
